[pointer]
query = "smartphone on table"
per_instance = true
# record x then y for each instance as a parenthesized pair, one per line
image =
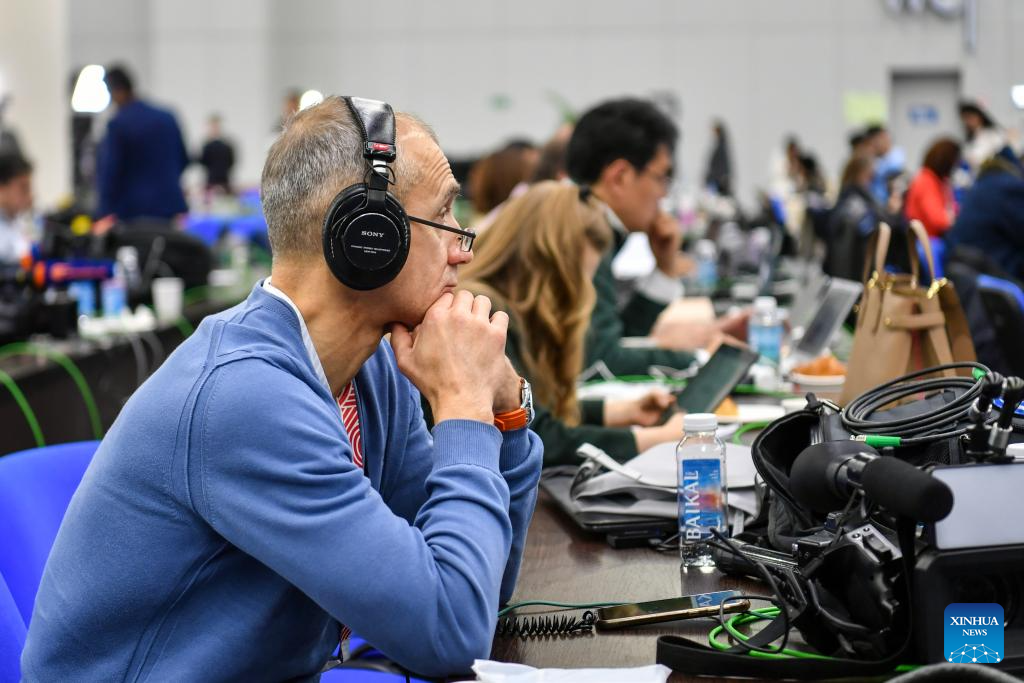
(656, 611)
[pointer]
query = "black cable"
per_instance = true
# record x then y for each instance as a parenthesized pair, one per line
(778, 601)
(945, 422)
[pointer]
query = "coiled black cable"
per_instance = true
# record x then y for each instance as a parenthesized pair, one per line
(945, 422)
(528, 627)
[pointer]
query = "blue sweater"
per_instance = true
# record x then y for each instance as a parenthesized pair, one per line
(140, 162)
(223, 533)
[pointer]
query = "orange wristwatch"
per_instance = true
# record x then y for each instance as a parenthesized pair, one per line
(520, 417)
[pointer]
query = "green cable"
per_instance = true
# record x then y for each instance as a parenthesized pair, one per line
(749, 427)
(765, 613)
(26, 409)
(753, 390)
(28, 348)
(566, 605)
(194, 294)
(879, 441)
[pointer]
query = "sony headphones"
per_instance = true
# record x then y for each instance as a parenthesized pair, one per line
(366, 231)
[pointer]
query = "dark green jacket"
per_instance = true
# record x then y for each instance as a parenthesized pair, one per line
(609, 324)
(561, 440)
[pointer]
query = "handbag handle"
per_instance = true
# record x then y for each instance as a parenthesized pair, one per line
(920, 235)
(878, 242)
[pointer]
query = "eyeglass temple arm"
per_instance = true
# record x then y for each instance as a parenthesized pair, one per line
(442, 226)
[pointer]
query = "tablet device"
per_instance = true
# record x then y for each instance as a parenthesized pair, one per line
(715, 381)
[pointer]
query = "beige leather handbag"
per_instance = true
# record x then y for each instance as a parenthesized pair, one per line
(903, 324)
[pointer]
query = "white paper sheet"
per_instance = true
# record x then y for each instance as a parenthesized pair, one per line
(489, 671)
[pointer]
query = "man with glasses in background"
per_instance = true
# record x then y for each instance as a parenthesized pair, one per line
(273, 488)
(623, 150)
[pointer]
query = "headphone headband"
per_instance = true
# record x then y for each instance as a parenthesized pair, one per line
(377, 124)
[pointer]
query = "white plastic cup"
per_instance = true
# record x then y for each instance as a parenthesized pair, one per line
(791, 405)
(168, 299)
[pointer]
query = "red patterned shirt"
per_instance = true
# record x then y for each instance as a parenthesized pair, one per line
(350, 421)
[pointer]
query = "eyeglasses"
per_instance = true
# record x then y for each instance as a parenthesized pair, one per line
(466, 237)
(665, 179)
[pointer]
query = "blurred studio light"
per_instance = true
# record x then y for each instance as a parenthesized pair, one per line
(1017, 95)
(309, 98)
(90, 95)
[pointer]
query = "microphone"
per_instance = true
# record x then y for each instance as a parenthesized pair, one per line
(1013, 392)
(825, 475)
(977, 415)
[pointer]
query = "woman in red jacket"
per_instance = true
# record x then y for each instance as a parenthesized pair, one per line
(930, 195)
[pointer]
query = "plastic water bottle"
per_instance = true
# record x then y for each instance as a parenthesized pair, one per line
(128, 257)
(707, 265)
(85, 294)
(700, 464)
(765, 329)
(114, 293)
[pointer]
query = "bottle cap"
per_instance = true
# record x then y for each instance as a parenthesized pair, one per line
(700, 422)
(765, 304)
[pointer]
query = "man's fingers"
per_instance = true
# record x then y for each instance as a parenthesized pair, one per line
(443, 303)
(401, 340)
(463, 300)
(481, 307)
(500, 320)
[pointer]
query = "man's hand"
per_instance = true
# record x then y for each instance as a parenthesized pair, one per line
(666, 238)
(643, 411)
(456, 357)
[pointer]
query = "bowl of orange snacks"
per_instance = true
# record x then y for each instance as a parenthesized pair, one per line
(824, 371)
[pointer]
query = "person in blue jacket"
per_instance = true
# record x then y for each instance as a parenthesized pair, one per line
(991, 217)
(273, 486)
(141, 158)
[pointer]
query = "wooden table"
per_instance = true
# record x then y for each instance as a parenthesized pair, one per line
(564, 564)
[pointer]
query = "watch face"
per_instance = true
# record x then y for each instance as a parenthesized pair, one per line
(527, 401)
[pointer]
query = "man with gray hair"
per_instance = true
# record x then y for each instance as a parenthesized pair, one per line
(273, 488)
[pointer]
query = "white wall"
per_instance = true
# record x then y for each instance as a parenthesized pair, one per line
(33, 54)
(482, 71)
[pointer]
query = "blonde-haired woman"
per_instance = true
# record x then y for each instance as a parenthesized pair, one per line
(536, 262)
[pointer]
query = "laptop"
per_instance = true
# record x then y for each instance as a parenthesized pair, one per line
(619, 530)
(838, 300)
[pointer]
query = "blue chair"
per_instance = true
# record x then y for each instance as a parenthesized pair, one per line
(938, 246)
(12, 636)
(357, 675)
(1004, 303)
(35, 489)
(206, 228)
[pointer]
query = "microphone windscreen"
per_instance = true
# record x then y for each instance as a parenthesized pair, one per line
(901, 488)
(809, 478)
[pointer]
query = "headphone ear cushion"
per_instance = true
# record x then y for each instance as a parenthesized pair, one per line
(365, 248)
